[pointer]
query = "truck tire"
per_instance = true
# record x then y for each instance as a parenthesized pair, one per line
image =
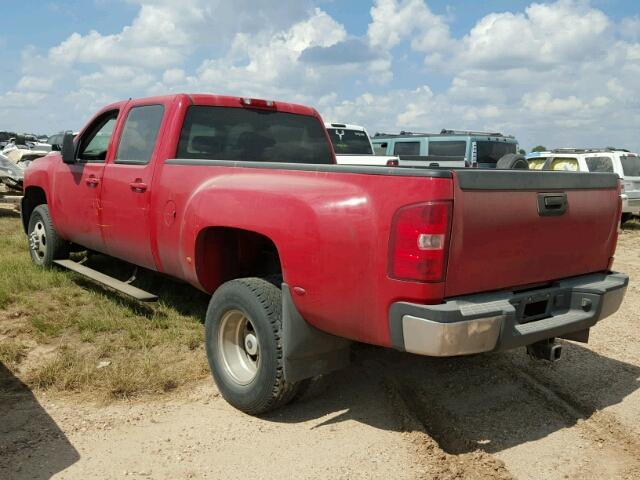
(45, 245)
(625, 218)
(243, 340)
(512, 161)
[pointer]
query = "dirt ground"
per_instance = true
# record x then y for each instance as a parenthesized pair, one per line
(389, 415)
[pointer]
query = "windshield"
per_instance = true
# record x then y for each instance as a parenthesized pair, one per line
(630, 165)
(350, 142)
(225, 133)
(491, 152)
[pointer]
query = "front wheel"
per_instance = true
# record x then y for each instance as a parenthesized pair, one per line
(45, 245)
(243, 339)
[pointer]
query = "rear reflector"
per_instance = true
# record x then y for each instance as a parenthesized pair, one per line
(257, 103)
(419, 242)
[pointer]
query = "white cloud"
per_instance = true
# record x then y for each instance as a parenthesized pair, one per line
(394, 21)
(37, 84)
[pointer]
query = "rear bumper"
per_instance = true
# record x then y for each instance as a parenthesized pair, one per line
(505, 320)
(630, 205)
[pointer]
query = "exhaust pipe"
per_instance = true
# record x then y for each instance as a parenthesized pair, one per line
(547, 350)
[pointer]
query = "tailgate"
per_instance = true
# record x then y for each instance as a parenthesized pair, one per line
(518, 228)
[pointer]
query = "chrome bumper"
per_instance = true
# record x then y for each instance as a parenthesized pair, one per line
(504, 320)
(630, 205)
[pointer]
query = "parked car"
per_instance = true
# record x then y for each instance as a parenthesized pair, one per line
(11, 175)
(449, 148)
(352, 146)
(302, 256)
(623, 163)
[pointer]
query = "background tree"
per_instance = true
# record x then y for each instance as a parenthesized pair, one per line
(539, 148)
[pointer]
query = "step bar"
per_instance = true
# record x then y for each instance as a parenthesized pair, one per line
(114, 283)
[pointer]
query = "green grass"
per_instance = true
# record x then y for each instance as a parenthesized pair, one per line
(147, 349)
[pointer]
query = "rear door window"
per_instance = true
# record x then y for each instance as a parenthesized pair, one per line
(243, 134)
(537, 163)
(491, 152)
(139, 134)
(379, 148)
(350, 142)
(630, 165)
(406, 148)
(599, 164)
(564, 164)
(456, 148)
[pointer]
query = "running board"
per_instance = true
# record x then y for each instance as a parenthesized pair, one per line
(110, 282)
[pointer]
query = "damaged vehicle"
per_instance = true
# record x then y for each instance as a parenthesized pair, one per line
(11, 174)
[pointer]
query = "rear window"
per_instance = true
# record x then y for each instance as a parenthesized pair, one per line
(447, 149)
(599, 164)
(406, 148)
(630, 165)
(350, 142)
(491, 152)
(242, 134)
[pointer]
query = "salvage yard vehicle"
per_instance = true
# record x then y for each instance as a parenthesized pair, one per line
(611, 160)
(352, 146)
(242, 198)
(449, 148)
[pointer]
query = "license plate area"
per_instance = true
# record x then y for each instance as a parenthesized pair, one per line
(534, 307)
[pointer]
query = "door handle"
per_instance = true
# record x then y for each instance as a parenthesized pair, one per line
(138, 186)
(552, 204)
(92, 181)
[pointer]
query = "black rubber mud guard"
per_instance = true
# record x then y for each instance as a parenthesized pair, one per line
(307, 351)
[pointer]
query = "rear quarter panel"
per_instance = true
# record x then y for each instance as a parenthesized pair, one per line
(331, 231)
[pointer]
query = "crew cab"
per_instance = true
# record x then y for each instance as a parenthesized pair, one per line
(242, 199)
(352, 146)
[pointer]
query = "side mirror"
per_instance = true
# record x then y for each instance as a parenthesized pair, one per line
(68, 148)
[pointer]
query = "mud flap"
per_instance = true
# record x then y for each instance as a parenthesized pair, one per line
(307, 351)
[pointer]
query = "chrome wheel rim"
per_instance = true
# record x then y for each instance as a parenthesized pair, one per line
(38, 240)
(239, 347)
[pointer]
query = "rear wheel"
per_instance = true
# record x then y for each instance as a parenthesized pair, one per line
(45, 245)
(243, 338)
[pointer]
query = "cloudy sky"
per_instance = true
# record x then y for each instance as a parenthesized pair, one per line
(563, 73)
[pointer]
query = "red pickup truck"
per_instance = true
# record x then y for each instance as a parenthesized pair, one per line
(242, 199)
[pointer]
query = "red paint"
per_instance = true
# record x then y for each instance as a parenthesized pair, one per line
(332, 230)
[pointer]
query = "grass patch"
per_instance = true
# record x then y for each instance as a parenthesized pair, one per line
(11, 352)
(98, 343)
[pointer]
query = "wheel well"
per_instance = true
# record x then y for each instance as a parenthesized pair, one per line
(224, 253)
(33, 196)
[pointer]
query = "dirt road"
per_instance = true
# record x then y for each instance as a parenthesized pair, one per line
(390, 415)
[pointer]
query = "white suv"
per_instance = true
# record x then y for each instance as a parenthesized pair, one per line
(621, 162)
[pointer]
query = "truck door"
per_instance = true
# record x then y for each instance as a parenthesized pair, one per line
(76, 202)
(126, 189)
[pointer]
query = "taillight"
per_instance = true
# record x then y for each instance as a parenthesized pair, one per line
(393, 162)
(419, 242)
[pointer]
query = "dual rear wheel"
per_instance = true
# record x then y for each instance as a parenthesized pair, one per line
(243, 339)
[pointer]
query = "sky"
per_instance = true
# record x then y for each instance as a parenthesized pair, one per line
(560, 73)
